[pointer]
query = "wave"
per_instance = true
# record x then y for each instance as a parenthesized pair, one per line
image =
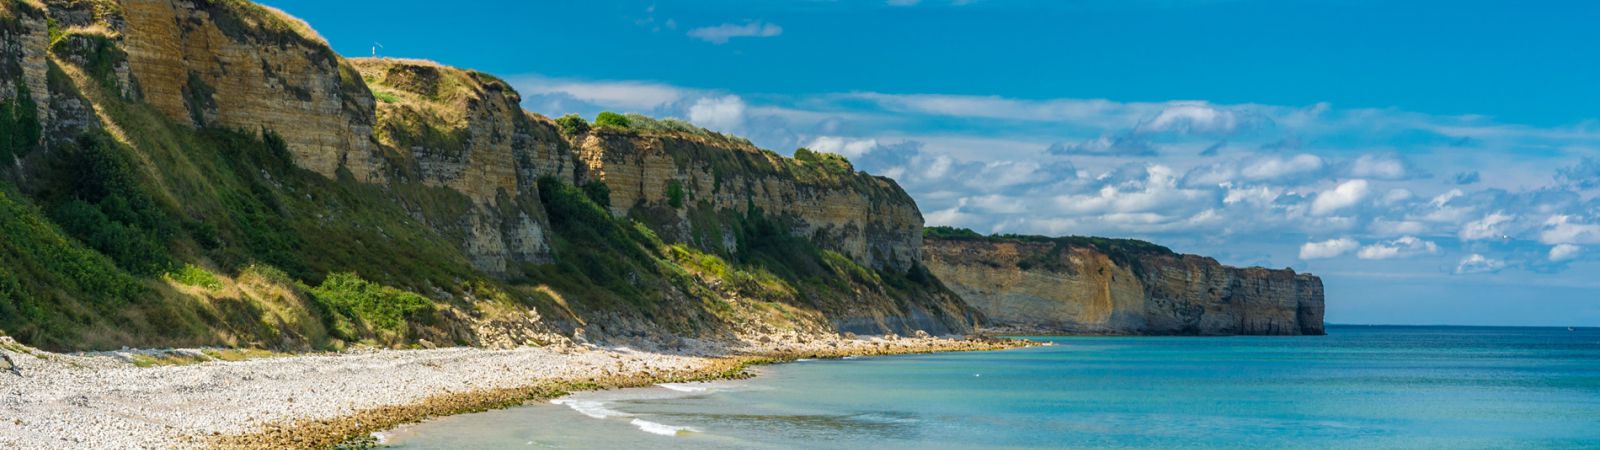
(662, 429)
(590, 408)
(685, 387)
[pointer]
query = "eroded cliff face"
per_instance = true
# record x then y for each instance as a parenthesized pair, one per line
(467, 132)
(1055, 286)
(236, 64)
(689, 186)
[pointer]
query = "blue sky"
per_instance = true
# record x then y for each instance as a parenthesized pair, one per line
(1434, 161)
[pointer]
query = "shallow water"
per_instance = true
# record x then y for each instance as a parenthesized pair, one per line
(1358, 387)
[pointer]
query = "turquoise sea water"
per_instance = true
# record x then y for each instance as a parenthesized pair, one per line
(1358, 387)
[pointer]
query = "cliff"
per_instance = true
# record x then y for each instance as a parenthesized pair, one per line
(1107, 286)
(210, 172)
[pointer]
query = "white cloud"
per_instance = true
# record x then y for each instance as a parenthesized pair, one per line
(1193, 118)
(1274, 167)
(720, 34)
(848, 147)
(1385, 227)
(1489, 227)
(1564, 252)
(624, 95)
(725, 113)
(1381, 167)
(1477, 263)
(1404, 247)
(1331, 248)
(1560, 229)
(1347, 194)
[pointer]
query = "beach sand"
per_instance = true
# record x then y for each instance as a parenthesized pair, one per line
(105, 400)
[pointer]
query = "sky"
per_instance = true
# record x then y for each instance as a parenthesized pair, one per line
(1436, 162)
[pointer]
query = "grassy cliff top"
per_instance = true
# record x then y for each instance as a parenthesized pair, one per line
(1109, 246)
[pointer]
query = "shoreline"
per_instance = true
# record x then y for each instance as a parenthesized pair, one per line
(318, 400)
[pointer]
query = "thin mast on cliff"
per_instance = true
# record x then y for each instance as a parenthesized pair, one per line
(375, 47)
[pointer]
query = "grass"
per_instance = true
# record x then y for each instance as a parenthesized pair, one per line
(192, 275)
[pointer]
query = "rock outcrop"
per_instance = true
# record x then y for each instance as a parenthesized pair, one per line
(682, 182)
(1102, 286)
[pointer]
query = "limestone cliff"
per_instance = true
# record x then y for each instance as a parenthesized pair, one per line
(224, 143)
(1104, 286)
(681, 181)
(467, 132)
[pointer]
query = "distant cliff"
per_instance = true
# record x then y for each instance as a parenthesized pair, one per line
(1111, 286)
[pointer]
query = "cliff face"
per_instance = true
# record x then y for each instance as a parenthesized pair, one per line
(677, 180)
(223, 139)
(1061, 286)
(466, 131)
(236, 64)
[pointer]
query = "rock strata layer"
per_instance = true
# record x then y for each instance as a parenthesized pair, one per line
(1039, 285)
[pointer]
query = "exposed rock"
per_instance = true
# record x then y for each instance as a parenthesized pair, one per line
(1057, 286)
(242, 65)
(870, 219)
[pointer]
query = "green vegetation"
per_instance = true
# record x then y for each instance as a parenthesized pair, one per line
(374, 305)
(192, 275)
(386, 97)
(611, 120)
(20, 132)
(572, 124)
(675, 194)
(1125, 252)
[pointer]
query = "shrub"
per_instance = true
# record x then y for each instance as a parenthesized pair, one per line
(675, 193)
(598, 192)
(385, 97)
(611, 119)
(377, 305)
(192, 275)
(573, 124)
(19, 126)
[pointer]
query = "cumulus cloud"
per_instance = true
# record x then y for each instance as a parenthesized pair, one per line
(624, 95)
(1379, 167)
(1560, 229)
(1346, 195)
(1331, 248)
(1492, 226)
(1583, 175)
(724, 113)
(1476, 263)
(1193, 118)
(1125, 144)
(1404, 247)
(1275, 167)
(1564, 252)
(851, 148)
(720, 34)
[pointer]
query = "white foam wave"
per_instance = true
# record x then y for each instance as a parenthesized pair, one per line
(684, 387)
(662, 429)
(590, 408)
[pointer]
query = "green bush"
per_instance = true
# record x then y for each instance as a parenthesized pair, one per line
(19, 126)
(573, 124)
(611, 119)
(675, 193)
(192, 275)
(386, 97)
(598, 192)
(93, 192)
(376, 305)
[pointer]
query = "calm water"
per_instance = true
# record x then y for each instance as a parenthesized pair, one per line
(1358, 387)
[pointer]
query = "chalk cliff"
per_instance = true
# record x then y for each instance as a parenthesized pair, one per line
(1107, 286)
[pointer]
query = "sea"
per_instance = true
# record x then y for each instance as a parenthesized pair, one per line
(1359, 387)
